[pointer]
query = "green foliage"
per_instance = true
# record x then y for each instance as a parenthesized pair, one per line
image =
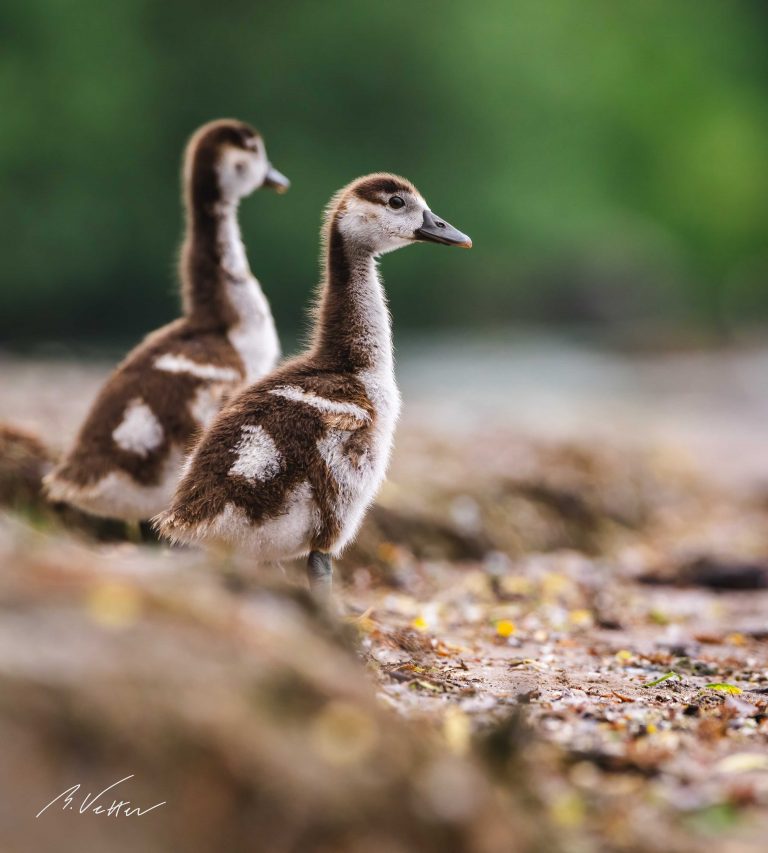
(608, 159)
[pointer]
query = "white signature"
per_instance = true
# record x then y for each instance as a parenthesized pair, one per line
(91, 803)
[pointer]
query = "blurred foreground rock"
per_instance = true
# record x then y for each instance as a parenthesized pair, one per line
(242, 708)
(499, 568)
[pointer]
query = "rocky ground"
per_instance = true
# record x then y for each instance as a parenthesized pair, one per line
(552, 630)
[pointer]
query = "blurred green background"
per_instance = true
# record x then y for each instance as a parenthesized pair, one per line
(609, 158)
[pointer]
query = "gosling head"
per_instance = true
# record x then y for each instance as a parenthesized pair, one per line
(226, 160)
(383, 212)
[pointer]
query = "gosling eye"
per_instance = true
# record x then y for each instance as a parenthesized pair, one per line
(396, 202)
(240, 167)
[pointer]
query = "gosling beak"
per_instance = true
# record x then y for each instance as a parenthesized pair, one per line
(436, 230)
(276, 180)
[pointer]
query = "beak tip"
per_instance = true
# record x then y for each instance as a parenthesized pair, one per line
(276, 181)
(434, 230)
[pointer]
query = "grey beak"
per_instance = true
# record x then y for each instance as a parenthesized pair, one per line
(436, 230)
(276, 180)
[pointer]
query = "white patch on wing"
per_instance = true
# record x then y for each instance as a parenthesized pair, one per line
(181, 364)
(140, 431)
(257, 455)
(207, 403)
(293, 392)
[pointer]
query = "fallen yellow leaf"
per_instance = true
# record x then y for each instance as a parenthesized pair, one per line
(505, 628)
(722, 687)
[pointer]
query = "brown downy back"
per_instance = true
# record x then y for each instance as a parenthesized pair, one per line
(295, 430)
(95, 453)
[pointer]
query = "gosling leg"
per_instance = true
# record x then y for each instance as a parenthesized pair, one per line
(320, 574)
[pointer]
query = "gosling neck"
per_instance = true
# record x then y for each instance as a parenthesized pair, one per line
(212, 255)
(354, 331)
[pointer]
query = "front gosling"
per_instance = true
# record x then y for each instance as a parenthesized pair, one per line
(290, 466)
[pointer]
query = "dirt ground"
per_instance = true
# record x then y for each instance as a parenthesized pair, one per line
(585, 555)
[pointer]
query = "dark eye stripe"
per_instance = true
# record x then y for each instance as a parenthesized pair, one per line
(373, 188)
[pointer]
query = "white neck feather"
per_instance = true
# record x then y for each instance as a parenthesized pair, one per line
(233, 257)
(253, 335)
(372, 312)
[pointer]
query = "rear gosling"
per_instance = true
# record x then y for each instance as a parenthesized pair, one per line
(126, 459)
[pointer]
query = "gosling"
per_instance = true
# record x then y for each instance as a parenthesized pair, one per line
(290, 466)
(127, 457)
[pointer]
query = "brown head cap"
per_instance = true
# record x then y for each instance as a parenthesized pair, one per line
(202, 154)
